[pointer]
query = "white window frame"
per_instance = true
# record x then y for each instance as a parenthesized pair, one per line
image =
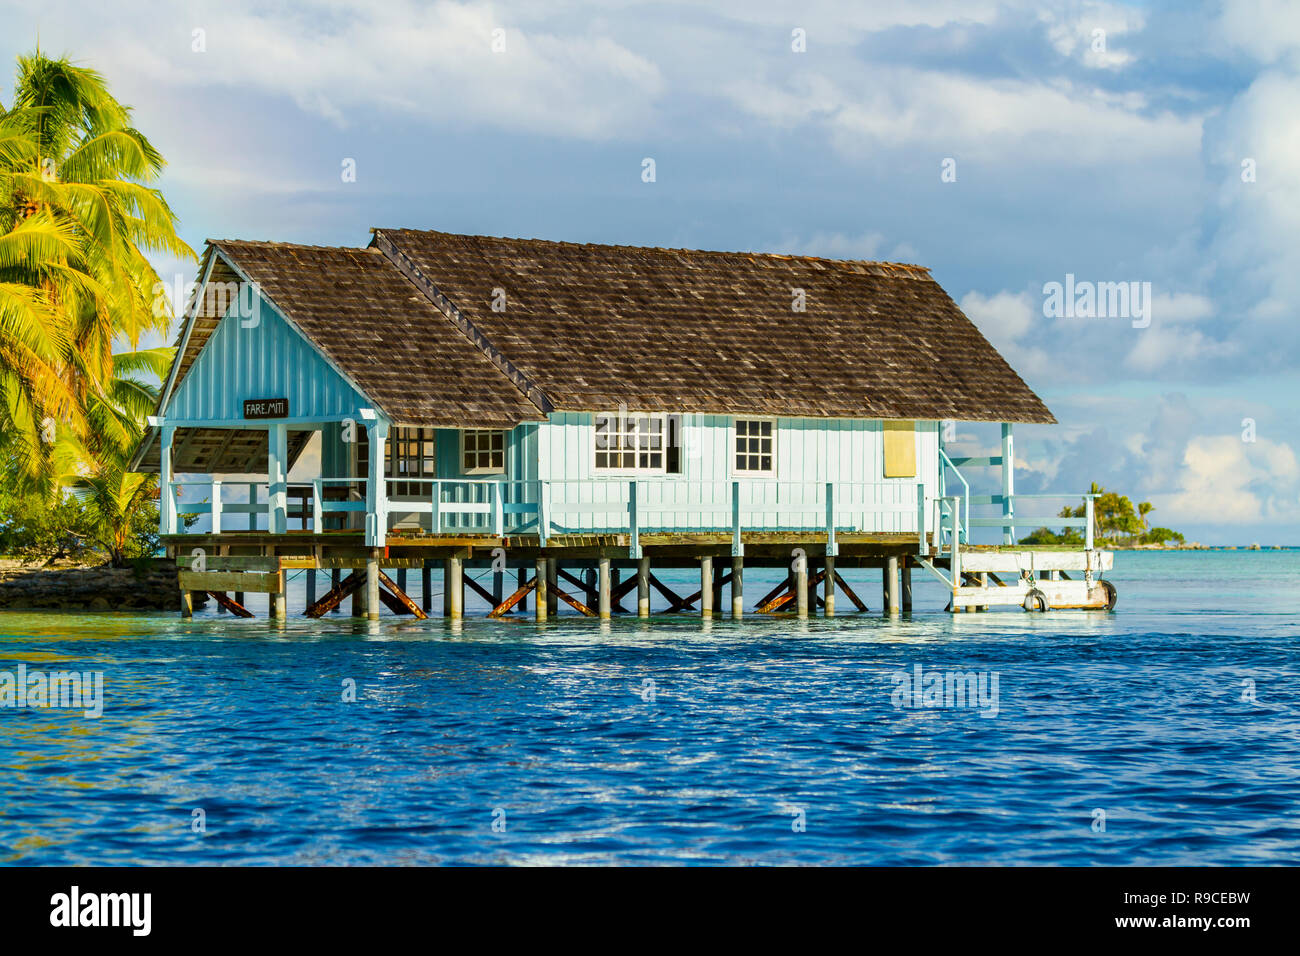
(662, 451)
(488, 469)
(732, 437)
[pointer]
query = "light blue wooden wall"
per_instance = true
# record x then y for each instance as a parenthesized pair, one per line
(268, 360)
(810, 452)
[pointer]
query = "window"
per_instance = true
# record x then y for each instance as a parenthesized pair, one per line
(900, 449)
(629, 442)
(754, 446)
(410, 455)
(483, 452)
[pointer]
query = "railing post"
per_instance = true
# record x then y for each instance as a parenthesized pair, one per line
(1008, 484)
(543, 512)
(435, 501)
(498, 509)
(920, 518)
(737, 542)
(955, 548)
(634, 521)
(1088, 514)
(317, 506)
(277, 479)
(252, 502)
(216, 506)
(166, 497)
(831, 548)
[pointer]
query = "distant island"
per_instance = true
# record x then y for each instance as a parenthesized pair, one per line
(1118, 524)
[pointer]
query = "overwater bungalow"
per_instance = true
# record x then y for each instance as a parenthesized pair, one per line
(574, 417)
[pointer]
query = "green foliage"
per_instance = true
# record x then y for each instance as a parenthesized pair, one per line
(75, 527)
(1116, 521)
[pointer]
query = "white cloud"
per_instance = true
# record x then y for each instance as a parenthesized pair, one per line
(1227, 481)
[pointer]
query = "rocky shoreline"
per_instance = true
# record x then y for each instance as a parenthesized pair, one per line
(150, 587)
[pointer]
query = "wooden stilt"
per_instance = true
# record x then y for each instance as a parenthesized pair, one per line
(801, 588)
(221, 608)
(552, 569)
(643, 587)
(498, 586)
(615, 590)
(335, 577)
(446, 589)
(187, 604)
(239, 597)
(891, 586)
(311, 586)
(907, 587)
(828, 587)
(372, 588)
(523, 600)
(603, 584)
(456, 581)
(401, 579)
(426, 588)
(737, 586)
(706, 586)
(542, 598)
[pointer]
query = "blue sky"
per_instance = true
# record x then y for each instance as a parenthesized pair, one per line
(1113, 156)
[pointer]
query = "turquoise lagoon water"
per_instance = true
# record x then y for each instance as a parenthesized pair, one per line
(768, 741)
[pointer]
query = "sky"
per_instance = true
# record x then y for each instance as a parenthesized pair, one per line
(1006, 146)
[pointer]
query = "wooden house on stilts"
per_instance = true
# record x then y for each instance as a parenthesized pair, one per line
(577, 416)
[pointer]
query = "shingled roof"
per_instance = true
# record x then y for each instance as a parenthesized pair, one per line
(715, 332)
(588, 327)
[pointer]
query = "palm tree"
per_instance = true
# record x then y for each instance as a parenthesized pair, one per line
(77, 217)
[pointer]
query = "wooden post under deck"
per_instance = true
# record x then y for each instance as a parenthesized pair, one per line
(801, 587)
(552, 584)
(446, 589)
(187, 603)
(643, 587)
(372, 588)
(426, 587)
(456, 582)
(541, 596)
(603, 584)
(907, 587)
(523, 601)
(311, 586)
(737, 586)
(706, 586)
(891, 586)
(828, 598)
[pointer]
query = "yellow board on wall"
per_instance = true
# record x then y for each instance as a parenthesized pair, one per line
(900, 449)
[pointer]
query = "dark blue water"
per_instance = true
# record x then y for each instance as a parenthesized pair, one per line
(766, 741)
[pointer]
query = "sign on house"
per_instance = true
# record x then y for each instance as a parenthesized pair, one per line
(266, 408)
